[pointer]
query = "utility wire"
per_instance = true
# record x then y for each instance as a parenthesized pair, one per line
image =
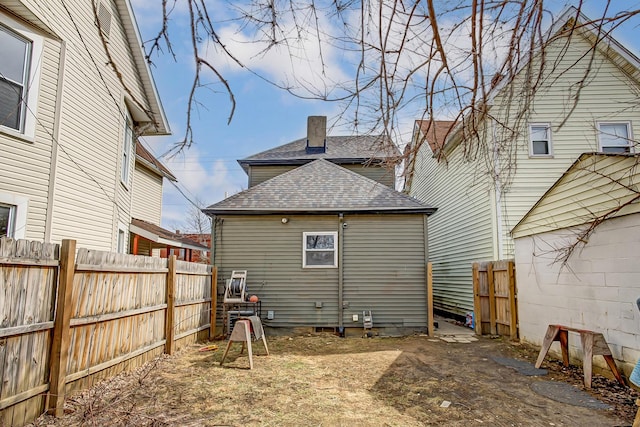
(122, 113)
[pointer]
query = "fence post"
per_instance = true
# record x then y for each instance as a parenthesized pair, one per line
(171, 304)
(477, 306)
(214, 302)
(430, 327)
(61, 330)
(492, 299)
(513, 323)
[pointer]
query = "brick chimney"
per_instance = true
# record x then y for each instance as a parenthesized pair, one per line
(316, 134)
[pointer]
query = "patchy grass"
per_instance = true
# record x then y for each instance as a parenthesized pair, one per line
(324, 380)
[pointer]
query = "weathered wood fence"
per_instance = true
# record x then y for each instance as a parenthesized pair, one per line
(494, 290)
(70, 318)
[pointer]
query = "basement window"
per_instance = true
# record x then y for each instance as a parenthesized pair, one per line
(320, 249)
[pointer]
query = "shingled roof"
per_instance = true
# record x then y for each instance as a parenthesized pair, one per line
(319, 187)
(145, 157)
(158, 234)
(435, 132)
(340, 149)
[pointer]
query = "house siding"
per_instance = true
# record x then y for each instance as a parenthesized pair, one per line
(146, 203)
(595, 186)
(460, 231)
(36, 152)
(608, 96)
(464, 229)
(258, 174)
(88, 199)
(271, 252)
(383, 175)
(144, 248)
(384, 270)
(383, 261)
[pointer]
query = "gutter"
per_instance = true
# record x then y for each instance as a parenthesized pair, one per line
(274, 211)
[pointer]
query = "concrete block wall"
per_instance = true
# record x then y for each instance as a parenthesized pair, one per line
(596, 290)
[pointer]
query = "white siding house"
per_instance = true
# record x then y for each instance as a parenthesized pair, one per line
(68, 120)
(146, 237)
(148, 174)
(596, 286)
(585, 96)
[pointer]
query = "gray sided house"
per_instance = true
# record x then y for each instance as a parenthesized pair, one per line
(372, 156)
(322, 243)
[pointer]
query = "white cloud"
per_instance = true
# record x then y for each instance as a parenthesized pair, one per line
(300, 62)
(207, 183)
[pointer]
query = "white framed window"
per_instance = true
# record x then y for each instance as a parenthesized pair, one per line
(20, 50)
(121, 245)
(320, 249)
(615, 137)
(127, 148)
(7, 214)
(14, 72)
(540, 140)
(13, 215)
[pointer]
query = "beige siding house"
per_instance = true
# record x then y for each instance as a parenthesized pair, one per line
(322, 243)
(146, 194)
(69, 121)
(586, 100)
(596, 286)
(146, 237)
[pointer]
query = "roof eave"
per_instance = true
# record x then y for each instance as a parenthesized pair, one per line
(245, 163)
(155, 237)
(155, 169)
(159, 119)
(568, 171)
(275, 211)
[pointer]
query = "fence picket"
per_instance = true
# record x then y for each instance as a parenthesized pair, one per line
(494, 289)
(96, 332)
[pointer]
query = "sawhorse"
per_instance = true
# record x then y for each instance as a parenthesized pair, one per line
(242, 332)
(593, 343)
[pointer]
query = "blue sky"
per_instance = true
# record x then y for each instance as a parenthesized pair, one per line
(265, 116)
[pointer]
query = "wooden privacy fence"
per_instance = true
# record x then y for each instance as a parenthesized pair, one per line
(69, 318)
(494, 290)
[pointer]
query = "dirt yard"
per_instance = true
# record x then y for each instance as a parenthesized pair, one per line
(324, 380)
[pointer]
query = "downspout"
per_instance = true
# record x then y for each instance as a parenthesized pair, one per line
(213, 240)
(498, 191)
(341, 274)
(48, 225)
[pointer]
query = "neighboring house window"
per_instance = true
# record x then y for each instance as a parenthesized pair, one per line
(21, 51)
(7, 214)
(13, 215)
(126, 151)
(122, 240)
(14, 73)
(615, 137)
(320, 249)
(540, 139)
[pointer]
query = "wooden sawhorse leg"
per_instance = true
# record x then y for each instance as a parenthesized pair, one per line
(593, 343)
(241, 332)
(554, 333)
